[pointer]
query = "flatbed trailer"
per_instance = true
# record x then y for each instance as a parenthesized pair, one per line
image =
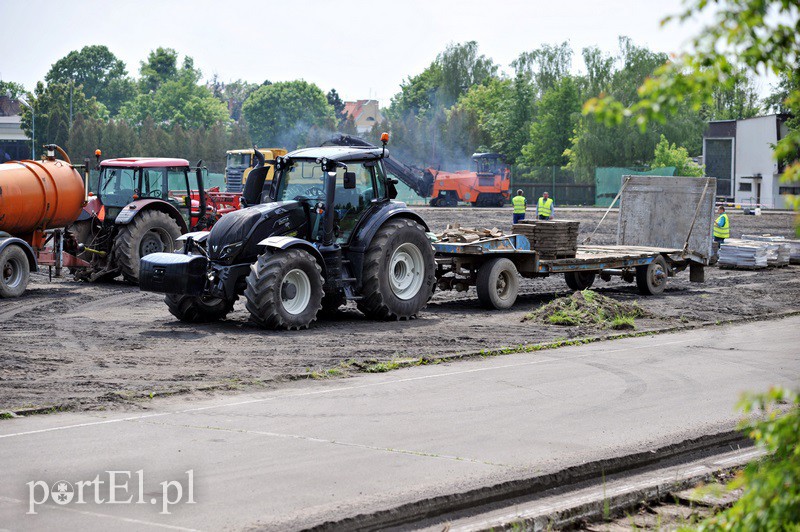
(493, 266)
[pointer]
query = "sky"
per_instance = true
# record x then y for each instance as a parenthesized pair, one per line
(363, 49)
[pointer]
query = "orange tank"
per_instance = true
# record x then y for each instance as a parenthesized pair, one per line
(38, 195)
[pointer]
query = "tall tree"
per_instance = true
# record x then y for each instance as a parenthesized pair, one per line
(545, 66)
(557, 115)
(12, 89)
(101, 74)
(281, 114)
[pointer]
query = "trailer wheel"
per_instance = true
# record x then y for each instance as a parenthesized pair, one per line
(198, 309)
(14, 271)
(284, 290)
(399, 272)
(579, 280)
(498, 284)
(652, 278)
(150, 232)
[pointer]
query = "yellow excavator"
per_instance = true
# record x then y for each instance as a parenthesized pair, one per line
(238, 164)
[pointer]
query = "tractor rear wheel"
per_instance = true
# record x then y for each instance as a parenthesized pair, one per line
(14, 271)
(198, 309)
(399, 272)
(150, 232)
(284, 290)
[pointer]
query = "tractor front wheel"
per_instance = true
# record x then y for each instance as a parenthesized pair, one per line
(399, 272)
(284, 290)
(198, 309)
(150, 232)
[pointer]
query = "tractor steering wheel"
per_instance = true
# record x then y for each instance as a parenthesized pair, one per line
(314, 192)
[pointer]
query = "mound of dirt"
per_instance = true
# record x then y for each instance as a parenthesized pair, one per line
(587, 308)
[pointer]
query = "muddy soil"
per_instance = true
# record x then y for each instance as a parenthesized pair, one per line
(77, 345)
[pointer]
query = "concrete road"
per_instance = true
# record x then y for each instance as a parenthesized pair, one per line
(315, 451)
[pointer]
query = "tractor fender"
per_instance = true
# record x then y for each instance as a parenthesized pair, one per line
(6, 241)
(131, 210)
(197, 236)
(288, 242)
(370, 225)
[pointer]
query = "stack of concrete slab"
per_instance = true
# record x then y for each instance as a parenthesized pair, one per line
(554, 239)
(456, 233)
(744, 254)
(787, 250)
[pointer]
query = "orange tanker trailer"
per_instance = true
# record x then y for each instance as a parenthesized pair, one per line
(37, 200)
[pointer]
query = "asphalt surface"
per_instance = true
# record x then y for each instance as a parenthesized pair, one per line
(312, 452)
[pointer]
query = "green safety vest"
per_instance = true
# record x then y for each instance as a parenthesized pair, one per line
(725, 230)
(545, 207)
(519, 204)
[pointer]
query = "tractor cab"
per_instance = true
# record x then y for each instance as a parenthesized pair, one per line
(489, 164)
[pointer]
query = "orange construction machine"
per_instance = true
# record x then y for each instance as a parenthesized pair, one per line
(487, 186)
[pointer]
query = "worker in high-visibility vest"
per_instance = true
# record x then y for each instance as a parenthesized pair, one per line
(520, 203)
(544, 208)
(722, 226)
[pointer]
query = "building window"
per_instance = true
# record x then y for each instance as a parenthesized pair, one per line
(795, 190)
(745, 187)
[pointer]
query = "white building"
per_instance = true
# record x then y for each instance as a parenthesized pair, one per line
(739, 153)
(14, 144)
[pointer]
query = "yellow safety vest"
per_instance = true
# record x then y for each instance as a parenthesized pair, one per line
(519, 204)
(725, 230)
(545, 207)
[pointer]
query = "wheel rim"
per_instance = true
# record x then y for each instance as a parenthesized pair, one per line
(12, 272)
(155, 241)
(295, 291)
(503, 285)
(406, 270)
(658, 275)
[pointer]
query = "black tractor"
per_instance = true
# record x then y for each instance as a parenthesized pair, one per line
(326, 231)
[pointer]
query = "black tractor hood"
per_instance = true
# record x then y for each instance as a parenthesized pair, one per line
(238, 226)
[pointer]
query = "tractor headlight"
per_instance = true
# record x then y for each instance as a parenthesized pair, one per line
(230, 250)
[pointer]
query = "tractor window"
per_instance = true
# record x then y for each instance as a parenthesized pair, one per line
(349, 204)
(302, 180)
(238, 160)
(117, 186)
(152, 183)
(176, 177)
(380, 181)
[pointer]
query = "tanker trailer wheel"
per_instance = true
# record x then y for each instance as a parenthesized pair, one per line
(150, 232)
(579, 280)
(498, 284)
(652, 278)
(399, 272)
(14, 271)
(284, 290)
(198, 309)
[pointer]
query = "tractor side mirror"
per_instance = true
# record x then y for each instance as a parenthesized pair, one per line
(349, 180)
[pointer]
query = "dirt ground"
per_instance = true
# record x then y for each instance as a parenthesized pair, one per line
(88, 346)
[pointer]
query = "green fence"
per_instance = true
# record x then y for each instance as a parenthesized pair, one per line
(609, 180)
(565, 186)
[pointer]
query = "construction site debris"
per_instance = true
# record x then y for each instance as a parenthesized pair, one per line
(745, 254)
(786, 250)
(554, 239)
(587, 307)
(456, 233)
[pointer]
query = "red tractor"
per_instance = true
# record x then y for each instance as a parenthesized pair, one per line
(487, 186)
(142, 205)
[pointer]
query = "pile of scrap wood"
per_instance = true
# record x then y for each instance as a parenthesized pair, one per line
(552, 239)
(744, 254)
(456, 233)
(788, 250)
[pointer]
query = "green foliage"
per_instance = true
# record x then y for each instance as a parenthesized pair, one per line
(178, 101)
(669, 155)
(282, 114)
(734, 101)
(51, 107)
(12, 89)
(557, 114)
(101, 74)
(744, 36)
(771, 496)
(545, 66)
(232, 94)
(161, 66)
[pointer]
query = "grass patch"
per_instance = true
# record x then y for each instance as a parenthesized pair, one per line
(588, 308)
